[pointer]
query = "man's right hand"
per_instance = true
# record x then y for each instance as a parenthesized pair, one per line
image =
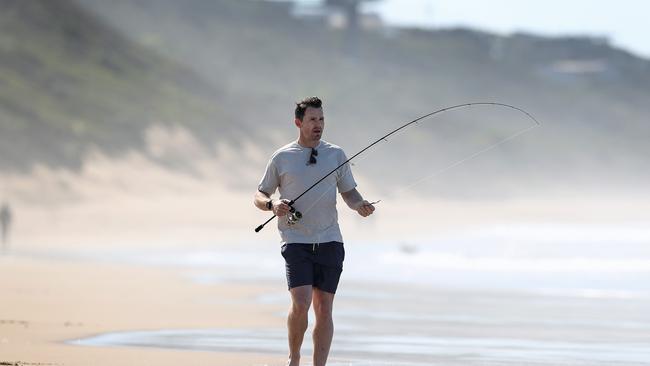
(281, 207)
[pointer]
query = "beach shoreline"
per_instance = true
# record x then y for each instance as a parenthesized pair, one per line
(70, 311)
(83, 271)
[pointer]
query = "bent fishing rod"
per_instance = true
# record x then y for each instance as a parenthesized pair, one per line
(385, 137)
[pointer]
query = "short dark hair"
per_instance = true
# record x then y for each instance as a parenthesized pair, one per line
(302, 106)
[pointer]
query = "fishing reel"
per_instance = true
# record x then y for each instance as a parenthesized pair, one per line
(294, 216)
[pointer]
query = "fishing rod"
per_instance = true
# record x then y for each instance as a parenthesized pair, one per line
(298, 215)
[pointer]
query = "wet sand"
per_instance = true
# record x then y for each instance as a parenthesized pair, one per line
(416, 328)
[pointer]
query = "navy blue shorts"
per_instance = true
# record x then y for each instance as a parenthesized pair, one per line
(319, 265)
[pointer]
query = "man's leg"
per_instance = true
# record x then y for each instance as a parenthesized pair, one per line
(324, 328)
(297, 321)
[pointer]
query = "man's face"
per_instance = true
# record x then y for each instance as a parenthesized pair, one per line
(312, 124)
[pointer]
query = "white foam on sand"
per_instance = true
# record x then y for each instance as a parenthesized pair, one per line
(393, 349)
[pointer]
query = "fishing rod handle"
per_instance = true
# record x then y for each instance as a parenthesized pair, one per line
(292, 209)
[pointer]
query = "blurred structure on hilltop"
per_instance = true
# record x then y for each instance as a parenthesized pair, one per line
(342, 14)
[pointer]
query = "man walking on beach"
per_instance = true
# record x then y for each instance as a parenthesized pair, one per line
(312, 244)
(5, 223)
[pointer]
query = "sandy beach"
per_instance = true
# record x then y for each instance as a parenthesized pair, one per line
(48, 302)
(72, 311)
(150, 278)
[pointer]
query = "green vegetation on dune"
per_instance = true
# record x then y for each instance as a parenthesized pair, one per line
(94, 72)
(69, 83)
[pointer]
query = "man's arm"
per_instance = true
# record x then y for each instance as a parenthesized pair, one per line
(355, 201)
(279, 207)
(260, 200)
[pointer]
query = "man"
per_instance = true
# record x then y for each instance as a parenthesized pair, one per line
(5, 223)
(312, 245)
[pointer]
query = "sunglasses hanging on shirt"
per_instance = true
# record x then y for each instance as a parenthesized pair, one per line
(312, 156)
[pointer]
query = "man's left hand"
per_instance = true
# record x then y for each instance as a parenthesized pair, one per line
(365, 208)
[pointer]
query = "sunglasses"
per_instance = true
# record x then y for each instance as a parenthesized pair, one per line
(312, 156)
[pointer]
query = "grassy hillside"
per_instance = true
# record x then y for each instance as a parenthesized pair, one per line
(71, 83)
(591, 98)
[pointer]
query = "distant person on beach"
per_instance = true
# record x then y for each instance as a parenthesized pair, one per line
(312, 245)
(5, 223)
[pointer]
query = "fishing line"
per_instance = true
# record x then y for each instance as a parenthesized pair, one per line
(385, 138)
(464, 159)
(434, 174)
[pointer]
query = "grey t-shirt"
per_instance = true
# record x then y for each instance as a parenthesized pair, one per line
(289, 172)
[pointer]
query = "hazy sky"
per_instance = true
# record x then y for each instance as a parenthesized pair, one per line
(625, 22)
